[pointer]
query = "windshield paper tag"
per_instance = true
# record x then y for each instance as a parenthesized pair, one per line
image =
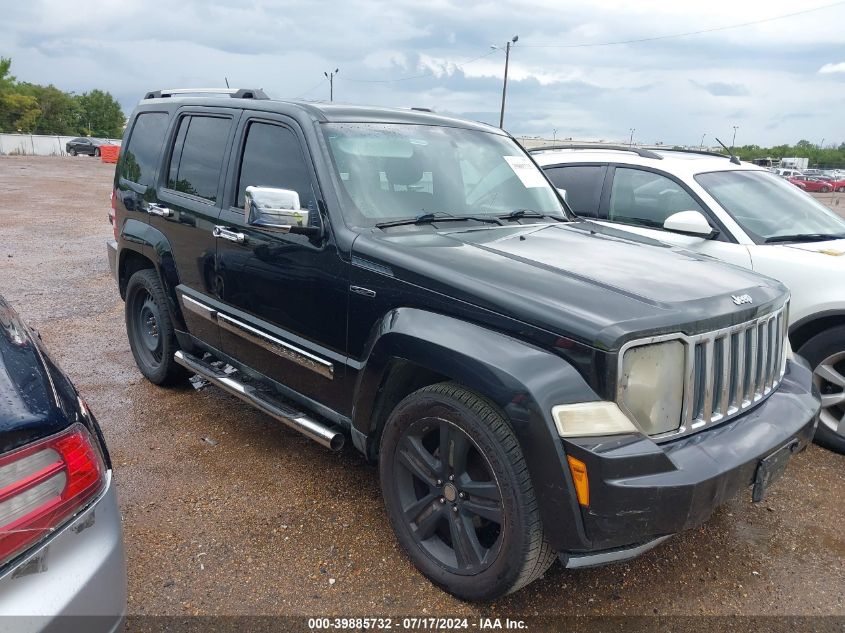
(526, 171)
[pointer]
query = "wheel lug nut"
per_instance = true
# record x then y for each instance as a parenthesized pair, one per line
(439, 482)
(462, 495)
(454, 508)
(442, 499)
(451, 478)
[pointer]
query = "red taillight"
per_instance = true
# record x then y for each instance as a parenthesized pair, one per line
(113, 213)
(42, 484)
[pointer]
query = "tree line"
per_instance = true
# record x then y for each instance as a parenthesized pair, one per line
(35, 109)
(822, 157)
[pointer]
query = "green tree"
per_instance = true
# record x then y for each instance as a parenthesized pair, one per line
(7, 81)
(100, 114)
(59, 111)
(18, 113)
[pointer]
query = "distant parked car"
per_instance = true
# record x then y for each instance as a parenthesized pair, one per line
(813, 185)
(736, 212)
(787, 172)
(83, 145)
(61, 547)
(837, 184)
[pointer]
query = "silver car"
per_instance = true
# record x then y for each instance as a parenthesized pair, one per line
(62, 564)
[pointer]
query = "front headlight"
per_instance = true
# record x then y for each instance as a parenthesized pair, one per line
(652, 386)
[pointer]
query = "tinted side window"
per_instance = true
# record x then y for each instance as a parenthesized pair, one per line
(141, 156)
(198, 155)
(583, 184)
(646, 199)
(272, 157)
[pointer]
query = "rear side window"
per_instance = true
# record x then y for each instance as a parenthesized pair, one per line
(272, 157)
(583, 184)
(143, 151)
(198, 155)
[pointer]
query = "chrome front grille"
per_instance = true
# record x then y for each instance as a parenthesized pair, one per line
(732, 369)
(728, 371)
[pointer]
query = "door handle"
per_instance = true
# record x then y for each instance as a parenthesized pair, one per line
(228, 234)
(159, 210)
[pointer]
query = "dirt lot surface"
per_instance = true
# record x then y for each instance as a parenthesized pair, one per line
(259, 520)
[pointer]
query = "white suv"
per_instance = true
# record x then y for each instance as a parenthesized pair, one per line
(736, 212)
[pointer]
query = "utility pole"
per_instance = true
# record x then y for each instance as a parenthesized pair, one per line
(330, 77)
(733, 142)
(631, 140)
(554, 135)
(701, 145)
(513, 40)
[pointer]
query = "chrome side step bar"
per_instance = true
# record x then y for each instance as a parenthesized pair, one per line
(330, 437)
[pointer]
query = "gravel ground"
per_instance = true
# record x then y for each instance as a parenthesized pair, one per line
(261, 521)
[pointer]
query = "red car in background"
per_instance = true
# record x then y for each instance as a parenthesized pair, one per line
(836, 184)
(808, 183)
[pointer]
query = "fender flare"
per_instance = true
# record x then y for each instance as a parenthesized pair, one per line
(152, 244)
(523, 380)
(803, 330)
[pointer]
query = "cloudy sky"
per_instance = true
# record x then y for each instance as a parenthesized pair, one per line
(779, 81)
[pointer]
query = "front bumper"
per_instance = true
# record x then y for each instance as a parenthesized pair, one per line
(75, 581)
(641, 491)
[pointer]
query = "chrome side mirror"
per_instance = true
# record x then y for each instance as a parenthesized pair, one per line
(277, 210)
(691, 223)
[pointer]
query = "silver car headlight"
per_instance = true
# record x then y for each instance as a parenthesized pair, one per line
(651, 386)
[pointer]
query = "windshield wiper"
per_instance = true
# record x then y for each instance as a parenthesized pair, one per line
(805, 237)
(430, 218)
(517, 214)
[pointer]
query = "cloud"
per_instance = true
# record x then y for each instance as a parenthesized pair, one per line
(722, 89)
(832, 68)
(410, 53)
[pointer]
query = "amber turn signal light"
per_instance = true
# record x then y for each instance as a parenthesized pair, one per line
(579, 478)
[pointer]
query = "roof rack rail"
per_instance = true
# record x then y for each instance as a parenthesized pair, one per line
(639, 151)
(235, 93)
(684, 150)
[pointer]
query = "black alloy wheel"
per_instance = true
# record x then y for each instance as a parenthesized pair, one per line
(449, 496)
(458, 494)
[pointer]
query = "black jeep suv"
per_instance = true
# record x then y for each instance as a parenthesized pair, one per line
(531, 385)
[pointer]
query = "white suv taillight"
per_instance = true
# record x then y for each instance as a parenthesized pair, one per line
(43, 484)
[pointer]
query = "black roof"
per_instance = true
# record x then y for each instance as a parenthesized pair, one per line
(325, 111)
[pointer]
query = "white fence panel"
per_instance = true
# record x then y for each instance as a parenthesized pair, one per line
(37, 144)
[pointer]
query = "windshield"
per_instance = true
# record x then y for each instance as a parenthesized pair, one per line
(767, 206)
(402, 171)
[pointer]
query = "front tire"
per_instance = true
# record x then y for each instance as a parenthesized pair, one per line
(458, 494)
(825, 189)
(72, 152)
(96, 153)
(149, 327)
(841, 189)
(826, 354)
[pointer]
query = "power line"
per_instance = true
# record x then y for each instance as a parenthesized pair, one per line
(675, 35)
(430, 73)
(312, 88)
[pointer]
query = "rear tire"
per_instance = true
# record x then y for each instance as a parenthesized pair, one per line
(149, 327)
(826, 354)
(841, 189)
(477, 535)
(825, 189)
(72, 152)
(96, 152)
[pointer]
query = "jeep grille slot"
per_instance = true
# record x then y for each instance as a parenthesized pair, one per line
(726, 371)
(734, 368)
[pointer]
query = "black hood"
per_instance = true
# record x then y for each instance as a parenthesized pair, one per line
(580, 279)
